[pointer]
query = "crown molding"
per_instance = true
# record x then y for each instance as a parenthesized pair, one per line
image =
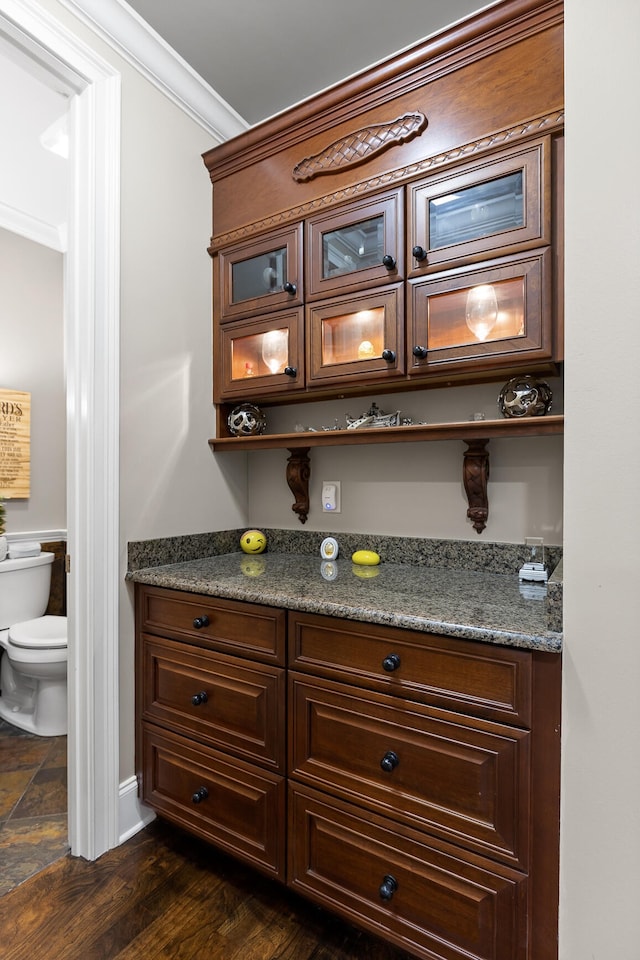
(33, 229)
(115, 22)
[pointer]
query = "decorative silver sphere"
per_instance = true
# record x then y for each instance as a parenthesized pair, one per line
(525, 396)
(247, 420)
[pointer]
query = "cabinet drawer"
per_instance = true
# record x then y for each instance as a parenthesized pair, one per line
(229, 704)
(461, 778)
(246, 629)
(239, 807)
(485, 680)
(440, 903)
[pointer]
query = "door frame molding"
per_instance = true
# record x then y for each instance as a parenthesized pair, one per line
(92, 315)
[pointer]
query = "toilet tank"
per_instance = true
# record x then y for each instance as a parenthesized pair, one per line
(24, 588)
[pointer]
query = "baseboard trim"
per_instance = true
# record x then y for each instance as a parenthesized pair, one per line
(133, 815)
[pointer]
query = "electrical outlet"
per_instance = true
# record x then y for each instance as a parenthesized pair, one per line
(331, 501)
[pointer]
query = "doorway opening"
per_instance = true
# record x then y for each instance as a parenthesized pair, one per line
(91, 334)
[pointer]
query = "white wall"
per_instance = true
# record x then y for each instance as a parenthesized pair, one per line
(415, 489)
(32, 360)
(170, 483)
(600, 835)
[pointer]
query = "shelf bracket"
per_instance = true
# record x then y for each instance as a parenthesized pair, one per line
(298, 473)
(475, 474)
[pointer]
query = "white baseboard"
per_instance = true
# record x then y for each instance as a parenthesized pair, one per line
(133, 815)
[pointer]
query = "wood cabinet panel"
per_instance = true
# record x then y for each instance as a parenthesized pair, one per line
(355, 247)
(232, 705)
(481, 210)
(262, 273)
(439, 903)
(245, 629)
(242, 361)
(480, 679)
(230, 803)
(458, 778)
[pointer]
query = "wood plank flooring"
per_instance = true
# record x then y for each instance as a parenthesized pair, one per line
(168, 896)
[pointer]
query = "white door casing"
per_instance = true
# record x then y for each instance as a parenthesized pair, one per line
(92, 275)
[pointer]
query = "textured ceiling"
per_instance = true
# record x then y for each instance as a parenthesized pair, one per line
(262, 56)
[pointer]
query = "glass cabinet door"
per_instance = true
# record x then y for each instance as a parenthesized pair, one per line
(356, 337)
(264, 274)
(359, 246)
(260, 357)
(485, 317)
(491, 208)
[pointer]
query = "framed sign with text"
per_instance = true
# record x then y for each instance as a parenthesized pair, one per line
(15, 444)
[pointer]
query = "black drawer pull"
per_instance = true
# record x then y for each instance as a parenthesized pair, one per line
(388, 887)
(289, 287)
(419, 253)
(390, 761)
(389, 356)
(200, 697)
(201, 794)
(389, 262)
(391, 663)
(420, 353)
(201, 622)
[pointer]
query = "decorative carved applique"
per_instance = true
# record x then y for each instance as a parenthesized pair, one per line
(360, 146)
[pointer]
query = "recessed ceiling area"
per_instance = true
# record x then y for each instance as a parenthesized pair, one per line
(262, 56)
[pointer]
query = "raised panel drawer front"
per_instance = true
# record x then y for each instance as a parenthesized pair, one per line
(230, 803)
(419, 893)
(463, 779)
(245, 629)
(231, 705)
(481, 679)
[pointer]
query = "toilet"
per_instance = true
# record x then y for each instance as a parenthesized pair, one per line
(33, 669)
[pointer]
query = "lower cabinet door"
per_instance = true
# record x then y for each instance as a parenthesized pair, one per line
(228, 802)
(426, 896)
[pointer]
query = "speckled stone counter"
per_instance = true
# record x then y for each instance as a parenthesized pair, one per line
(438, 595)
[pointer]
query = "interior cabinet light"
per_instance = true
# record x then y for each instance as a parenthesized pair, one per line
(482, 310)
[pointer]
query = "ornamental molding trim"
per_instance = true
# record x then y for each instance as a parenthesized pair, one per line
(118, 25)
(523, 131)
(360, 145)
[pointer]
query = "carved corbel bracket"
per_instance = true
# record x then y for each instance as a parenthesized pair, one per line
(475, 476)
(298, 473)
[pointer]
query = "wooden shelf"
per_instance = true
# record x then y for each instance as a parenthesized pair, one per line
(475, 433)
(462, 430)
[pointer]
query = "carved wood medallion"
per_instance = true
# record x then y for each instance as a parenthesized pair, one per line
(360, 146)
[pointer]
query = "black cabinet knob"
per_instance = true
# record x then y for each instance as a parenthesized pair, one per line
(419, 253)
(390, 761)
(201, 622)
(200, 697)
(201, 794)
(291, 371)
(289, 287)
(420, 352)
(389, 262)
(391, 663)
(389, 356)
(388, 887)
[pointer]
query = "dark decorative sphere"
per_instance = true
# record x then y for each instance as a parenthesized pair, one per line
(247, 420)
(525, 396)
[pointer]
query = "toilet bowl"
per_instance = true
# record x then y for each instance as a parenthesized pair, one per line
(33, 669)
(33, 676)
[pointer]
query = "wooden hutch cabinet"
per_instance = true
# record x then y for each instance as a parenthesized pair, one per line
(401, 230)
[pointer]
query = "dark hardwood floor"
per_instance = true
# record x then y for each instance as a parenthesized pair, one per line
(164, 895)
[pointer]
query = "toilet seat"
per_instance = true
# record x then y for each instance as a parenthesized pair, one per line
(43, 633)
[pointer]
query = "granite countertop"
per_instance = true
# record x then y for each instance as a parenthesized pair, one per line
(473, 604)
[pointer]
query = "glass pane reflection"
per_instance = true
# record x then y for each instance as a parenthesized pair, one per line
(258, 276)
(479, 211)
(355, 247)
